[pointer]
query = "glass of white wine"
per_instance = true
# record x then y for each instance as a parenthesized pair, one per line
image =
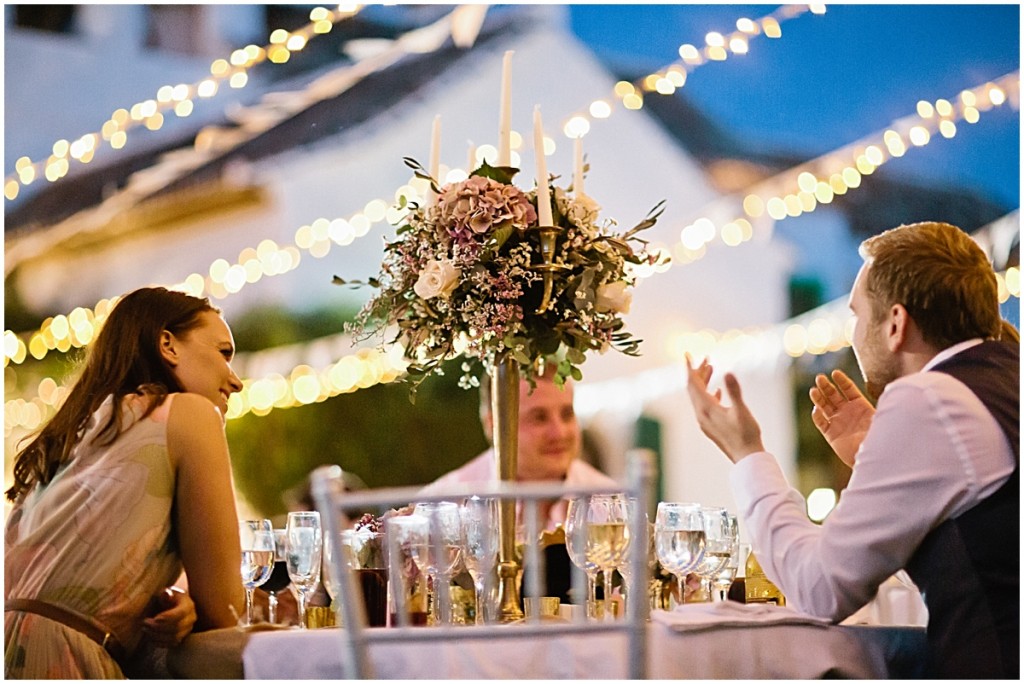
(679, 539)
(607, 535)
(257, 539)
(305, 548)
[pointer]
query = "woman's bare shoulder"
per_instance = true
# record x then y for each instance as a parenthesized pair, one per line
(193, 420)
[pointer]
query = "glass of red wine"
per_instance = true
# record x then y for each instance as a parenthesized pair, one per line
(279, 579)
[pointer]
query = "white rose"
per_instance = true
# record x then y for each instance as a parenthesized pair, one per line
(439, 278)
(583, 211)
(614, 297)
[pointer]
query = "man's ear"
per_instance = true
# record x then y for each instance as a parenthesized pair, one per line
(169, 347)
(898, 328)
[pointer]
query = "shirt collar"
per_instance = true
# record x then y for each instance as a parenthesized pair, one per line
(951, 351)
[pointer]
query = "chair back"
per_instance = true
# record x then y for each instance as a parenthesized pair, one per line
(336, 506)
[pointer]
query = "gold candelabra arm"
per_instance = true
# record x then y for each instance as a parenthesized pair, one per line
(548, 241)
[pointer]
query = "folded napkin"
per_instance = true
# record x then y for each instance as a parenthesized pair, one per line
(699, 616)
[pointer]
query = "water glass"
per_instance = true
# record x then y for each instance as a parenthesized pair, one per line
(479, 545)
(443, 551)
(576, 547)
(257, 541)
(305, 548)
(679, 539)
(719, 544)
(407, 540)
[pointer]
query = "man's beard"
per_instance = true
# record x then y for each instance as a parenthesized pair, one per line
(877, 365)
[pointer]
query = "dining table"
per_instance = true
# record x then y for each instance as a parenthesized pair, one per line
(714, 641)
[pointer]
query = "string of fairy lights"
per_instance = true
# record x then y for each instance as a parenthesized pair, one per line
(77, 328)
(180, 99)
(304, 384)
(828, 328)
(810, 185)
(815, 183)
(671, 77)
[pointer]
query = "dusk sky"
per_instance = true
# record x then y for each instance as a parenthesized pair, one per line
(834, 78)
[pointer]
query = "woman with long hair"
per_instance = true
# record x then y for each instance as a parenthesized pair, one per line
(126, 486)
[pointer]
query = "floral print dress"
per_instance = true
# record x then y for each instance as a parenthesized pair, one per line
(96, 541)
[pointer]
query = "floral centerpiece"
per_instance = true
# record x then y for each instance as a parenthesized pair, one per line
(467, 275)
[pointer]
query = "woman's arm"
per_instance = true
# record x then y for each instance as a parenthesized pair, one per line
(204, 508)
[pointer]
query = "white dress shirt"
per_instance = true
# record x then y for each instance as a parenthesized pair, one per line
(933, 451)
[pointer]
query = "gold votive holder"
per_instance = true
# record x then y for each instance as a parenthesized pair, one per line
(320, 616)
(542, 606)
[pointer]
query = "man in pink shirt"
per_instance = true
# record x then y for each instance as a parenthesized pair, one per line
(549, 446)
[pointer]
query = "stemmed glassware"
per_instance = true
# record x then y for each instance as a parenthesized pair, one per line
(479, 544)
(257, 540)
(719, 544)
(625, 567)
(442, 552)
(576, 546)
(679, 539)
(279, 579)
(305, 547)
(723, 579)
(604, 521)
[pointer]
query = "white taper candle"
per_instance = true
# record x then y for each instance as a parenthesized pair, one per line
(505, 120)
(543, 194)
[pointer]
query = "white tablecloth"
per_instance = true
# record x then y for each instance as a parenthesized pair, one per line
(757, 650)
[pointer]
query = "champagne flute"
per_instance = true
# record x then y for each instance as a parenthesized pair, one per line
(724, 578)
(279, 579)
(304, 552)
(625, 567)
(607, 538)
(679, 539)
(479, 544)
(718, 546)
(576, 546)
(444, 549)
(257, 539)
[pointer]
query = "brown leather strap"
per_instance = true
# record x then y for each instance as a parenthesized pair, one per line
(65, 617)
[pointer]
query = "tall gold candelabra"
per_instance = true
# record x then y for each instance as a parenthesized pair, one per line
(505, 412)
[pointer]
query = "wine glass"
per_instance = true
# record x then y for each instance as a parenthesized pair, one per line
(304, 552)
(444, 548)
(718, 546)
(330, 578)
(576, 546)
(479, 544)
(257, 540)
(724, 578)
(625, 567)
(679, 539)
(279, 579)
(607, 538)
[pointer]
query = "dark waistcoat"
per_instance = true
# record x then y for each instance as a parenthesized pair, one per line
(968, 567)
